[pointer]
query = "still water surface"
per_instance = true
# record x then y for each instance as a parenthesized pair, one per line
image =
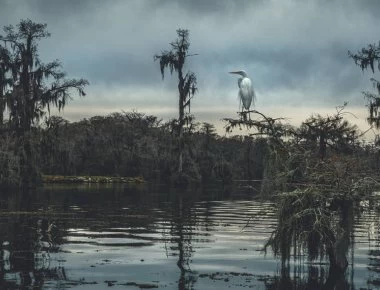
(96, 237)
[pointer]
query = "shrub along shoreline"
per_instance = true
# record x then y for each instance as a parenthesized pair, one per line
(90, 179)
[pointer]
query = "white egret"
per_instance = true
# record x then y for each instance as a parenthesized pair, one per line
(246, 92)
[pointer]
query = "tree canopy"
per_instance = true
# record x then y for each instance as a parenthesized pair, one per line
(174, 60)
(369, 58)
(28, 86)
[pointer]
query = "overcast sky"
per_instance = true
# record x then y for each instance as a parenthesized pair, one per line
(295, 51)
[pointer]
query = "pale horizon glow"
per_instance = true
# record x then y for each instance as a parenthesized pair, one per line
(292, 115)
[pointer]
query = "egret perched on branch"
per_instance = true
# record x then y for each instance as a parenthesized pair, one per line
(246, 92)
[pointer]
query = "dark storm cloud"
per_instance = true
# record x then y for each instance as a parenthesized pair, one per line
(52, 8)
(67, 7)
(200, 7)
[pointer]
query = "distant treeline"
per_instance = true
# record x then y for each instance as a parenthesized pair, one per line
(134, 144)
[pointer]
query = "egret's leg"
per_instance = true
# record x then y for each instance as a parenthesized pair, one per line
(241, 107)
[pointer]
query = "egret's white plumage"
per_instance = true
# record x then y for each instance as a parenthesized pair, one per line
(246, 93)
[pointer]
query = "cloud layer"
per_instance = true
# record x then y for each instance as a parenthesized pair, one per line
(295, 51)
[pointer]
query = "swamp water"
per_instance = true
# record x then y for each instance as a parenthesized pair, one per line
(96, 237)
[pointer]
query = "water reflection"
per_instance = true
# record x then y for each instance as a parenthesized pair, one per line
(27, 239)
(94, 237)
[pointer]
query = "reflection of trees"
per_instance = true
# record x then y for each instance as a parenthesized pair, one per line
(34, 237)
(183, 222)
(315, 278)
(372, 225)
(27, 240)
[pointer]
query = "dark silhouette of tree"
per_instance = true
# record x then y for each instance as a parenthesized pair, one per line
(55, 150)
(30, 87)
(314, 191)
(330, 131)
(369, 57)
(174, 60)
(5, 80)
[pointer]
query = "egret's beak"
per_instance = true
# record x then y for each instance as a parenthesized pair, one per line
(239, 72)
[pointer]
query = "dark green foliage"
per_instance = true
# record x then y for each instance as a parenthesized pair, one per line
(330, 131)
(369, 57)
(271, 128)
(373, 108)
(305, 224)
(134, 144)
(110, 145)
(9, 161)
(28, 88)
(318, 173)
(28, 85)
(312, 209)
